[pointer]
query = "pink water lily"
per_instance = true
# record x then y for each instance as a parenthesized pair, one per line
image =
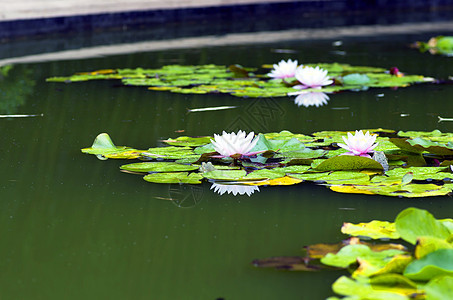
(229, 144)
(310, 77)
(284, 69)
(359, 144)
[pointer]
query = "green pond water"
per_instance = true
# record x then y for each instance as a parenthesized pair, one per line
(74, 227)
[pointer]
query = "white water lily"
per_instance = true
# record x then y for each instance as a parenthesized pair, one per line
(310, 77)
(234, 189)
(311, 99)
(359, 144)
(284, 69)
(229, 144)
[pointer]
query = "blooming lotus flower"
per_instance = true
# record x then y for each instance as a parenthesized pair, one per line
(229, 144)
(311, 99)
(310, 77)
(284, 69)
(234, 189)
(359, 144)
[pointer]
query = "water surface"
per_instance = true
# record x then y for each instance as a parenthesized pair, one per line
(74, 227)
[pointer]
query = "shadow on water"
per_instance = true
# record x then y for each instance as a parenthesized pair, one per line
(75, 227)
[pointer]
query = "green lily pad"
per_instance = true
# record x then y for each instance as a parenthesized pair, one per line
(169, 152)
(434, 264)
(174, 177)
(370, 261)
(362, 289)
(412, 223)
(439, 288)
(356, 79)
(348, 162)
(103, 144)
(437, 45)
(265, 174)
(157, 167)
(104, 148)
(227, 175)
(419, 145)
(189, 141)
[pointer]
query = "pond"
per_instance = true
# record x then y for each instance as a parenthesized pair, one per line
(75, 227)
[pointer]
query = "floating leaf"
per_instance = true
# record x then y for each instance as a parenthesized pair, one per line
(348, 162)
(437, 45)
(176, 177)
(157, 167)
(434, 264)
(227, 175)
(189, 141)
(277, 181)
(439, 288)
(412, 223)
(363, 254)
(104, 146)
(419, 145)
(428, 244)
(362, 289)
(356, 79)
(374, 229)
(169, 152)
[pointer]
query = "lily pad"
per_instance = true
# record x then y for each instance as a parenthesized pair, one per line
(189, 141)
(370, 262)
(434, 264)
(362, 289)
(374, 230)
(176, 177)
(157, 167)
(439, 288)
(412, 223)
(419, 145)
(437, 45)
(348, 162)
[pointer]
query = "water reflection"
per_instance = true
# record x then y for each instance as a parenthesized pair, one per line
(311, 99)
(234, 189)
(185, 195)
(14, 90)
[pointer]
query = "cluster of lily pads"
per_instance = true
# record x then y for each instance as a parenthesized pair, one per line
(279, 80)
(404, 164)
(383, 269)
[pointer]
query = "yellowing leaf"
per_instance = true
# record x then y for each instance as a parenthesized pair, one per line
(374, 229)
(286, 180)
(350, 189)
